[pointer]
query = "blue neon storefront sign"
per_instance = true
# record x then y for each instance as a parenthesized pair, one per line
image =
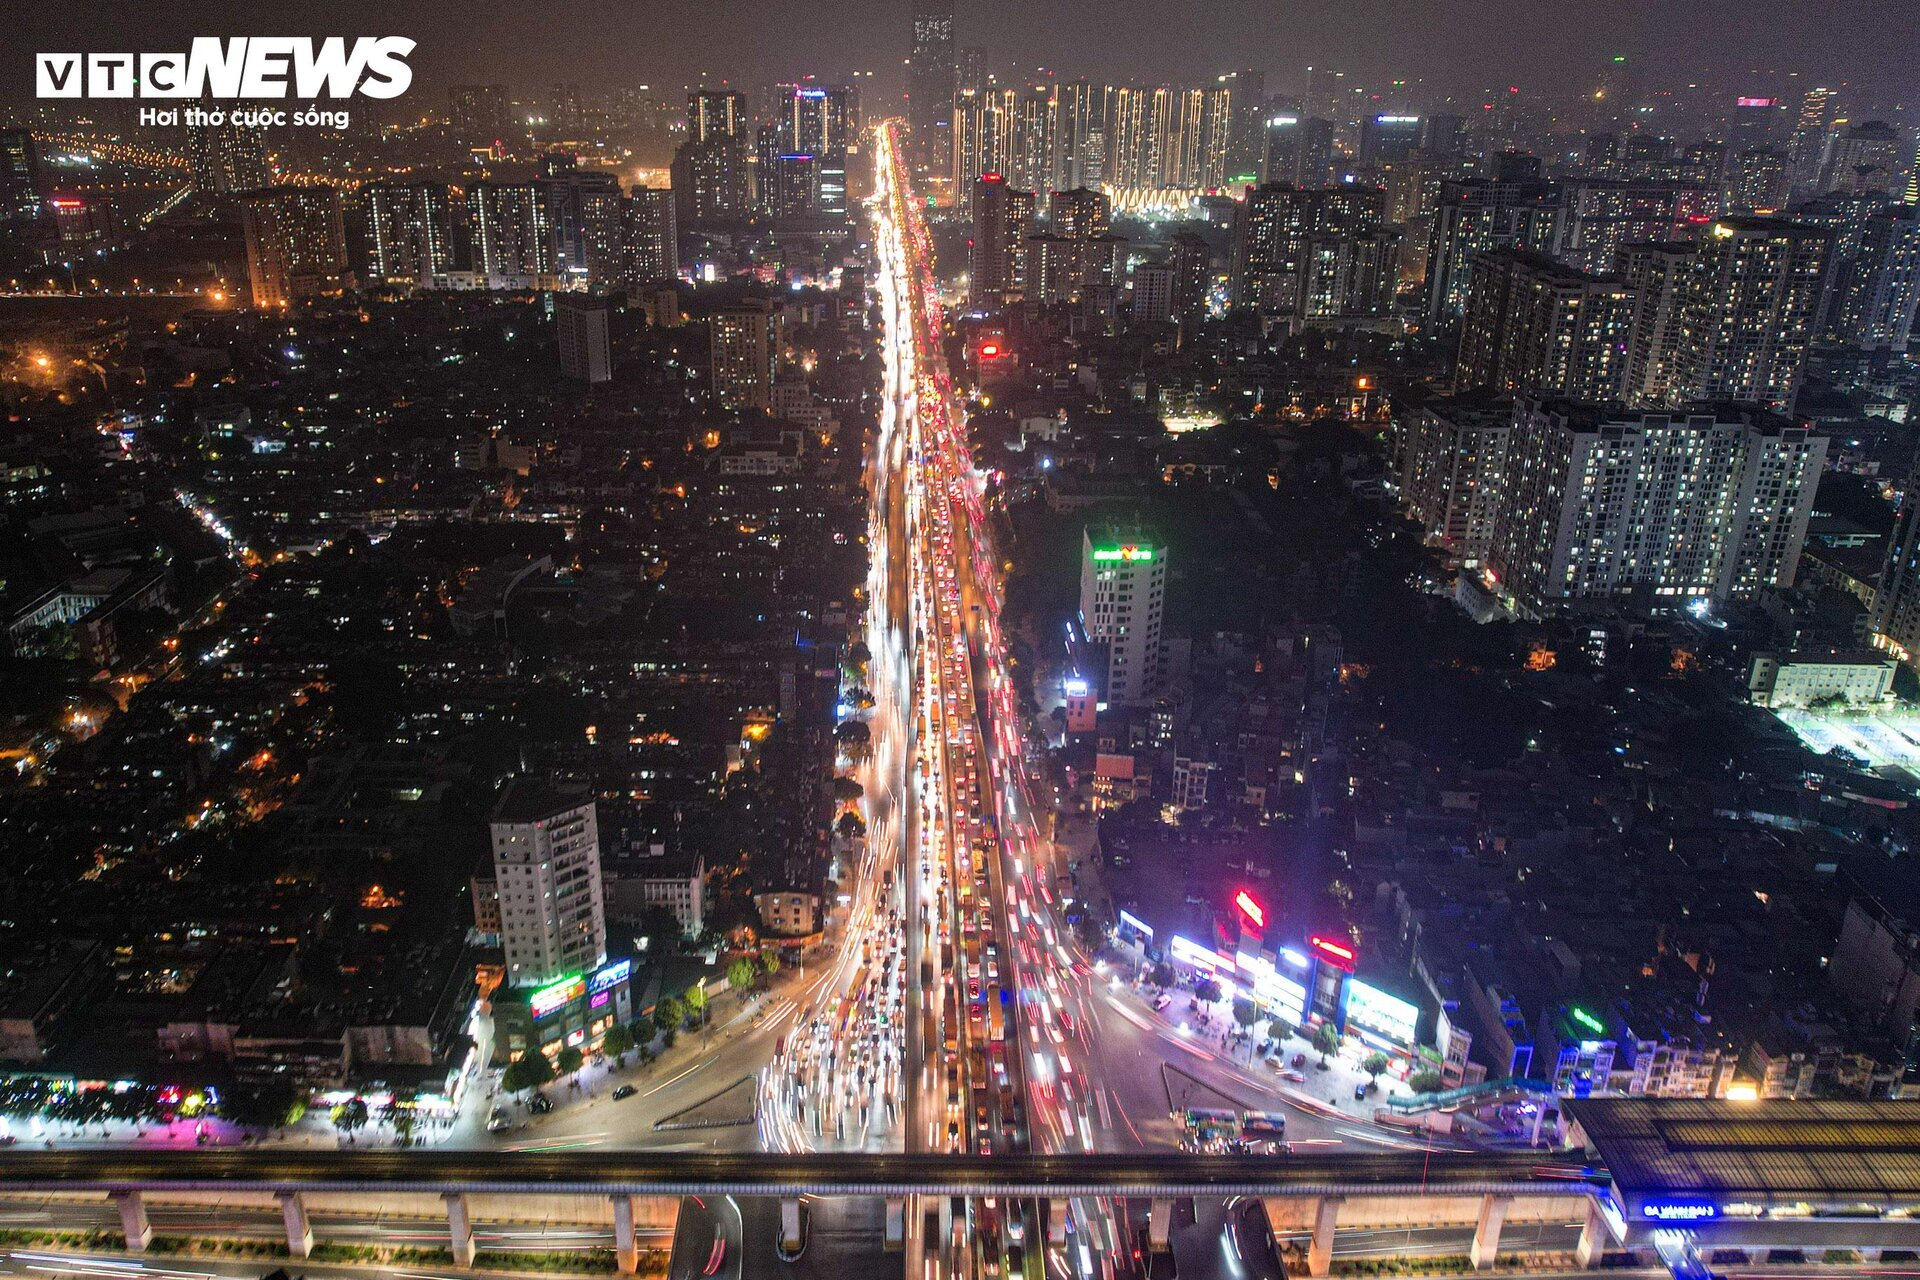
(1680, 1210)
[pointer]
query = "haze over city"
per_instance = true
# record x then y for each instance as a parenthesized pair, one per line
(949, 641)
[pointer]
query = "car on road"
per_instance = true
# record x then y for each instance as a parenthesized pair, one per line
(1161, 1001)
(623, 1092)
(499, 1121)
(1360, 1092)
(540, 1104)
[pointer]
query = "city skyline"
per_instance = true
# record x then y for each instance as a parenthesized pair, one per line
(1766, 46)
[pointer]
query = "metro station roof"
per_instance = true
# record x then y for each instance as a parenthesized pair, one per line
(1824, 1151)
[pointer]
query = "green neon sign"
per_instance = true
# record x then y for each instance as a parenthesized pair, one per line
(1587, 1020)
(554, 994)
(1123, 553)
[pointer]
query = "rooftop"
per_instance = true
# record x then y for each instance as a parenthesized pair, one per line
(1777, 1149)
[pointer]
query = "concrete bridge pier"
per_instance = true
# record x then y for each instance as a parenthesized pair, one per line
(1486, 1234)
(626, 1249)
(293, 1212)
(1595, 1235)
(790, 1223)
(1057, 1220)
(1159, 1224)
(459, 1228)
(895, 1231)
(133, 1220)
(1326, 1216)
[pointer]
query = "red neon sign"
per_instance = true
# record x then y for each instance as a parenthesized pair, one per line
(1253, 910)
(989, 349)
(1335, 953)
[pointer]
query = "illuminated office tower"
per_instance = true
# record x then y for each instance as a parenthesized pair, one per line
(296, 243)
(1753, 300)
(583, 213)
(1131, 157)
(24, 224)
(823, 123)
(1123, 587)
(1536, 325)
(983, 124)
(790, 185)
(512, 234)
(1605, 507)
(651, 237)
(931, 80)
(1002, 221)
(744, 342)
(408, 235)
(546, 862)
(580, 325)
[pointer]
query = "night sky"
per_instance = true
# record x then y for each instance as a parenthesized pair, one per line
(1452, 44)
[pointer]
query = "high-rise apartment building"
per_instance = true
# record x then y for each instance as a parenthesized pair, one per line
(1534, 325)
(1002, 221)
(408, 231)
(1658, 274)
(1863, 157)
(932, 77)
(1471, 218)
(546, 864)
(1876, 288)
(580, 324)
(1077, 255)
(1296, 149)
(1123, 586)
(1607, 508)
(512, 233)
(717, 113)
(481, 114)
(744, 346)
(1601, 214)
(712, 181)
(296, 243)
(1315, 254)
(227, 160)
(1452, 457)
(650, 245)
(1752, 303)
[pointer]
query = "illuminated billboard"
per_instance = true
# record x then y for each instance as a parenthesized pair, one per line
(1372, 1009)
(1195, 954)
(1672, 1210)
(611, 976)
(555, 995)
(1123, 553)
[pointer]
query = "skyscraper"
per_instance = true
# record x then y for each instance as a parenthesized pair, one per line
(512, 234)
(580, 324)
(546, 862)
(1509, 211)
(651, 243)
(1658, 273)
(1296, 149)
(1388, 139)
(1753, 299)
(409, 231)
(1877, 286)
(716, 113)
(1535, 325)
(1123, 586)
(931, 81)
(1314, 253)
(1605, 508)
(296, 243)
(711, 181)
(1002, 220)
(744, 340)
(1452, 463)
(227, 160)
(481, 113)
(1863, 157)
(23, 193)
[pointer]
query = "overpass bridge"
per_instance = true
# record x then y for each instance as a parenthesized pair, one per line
(1710, 1173)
